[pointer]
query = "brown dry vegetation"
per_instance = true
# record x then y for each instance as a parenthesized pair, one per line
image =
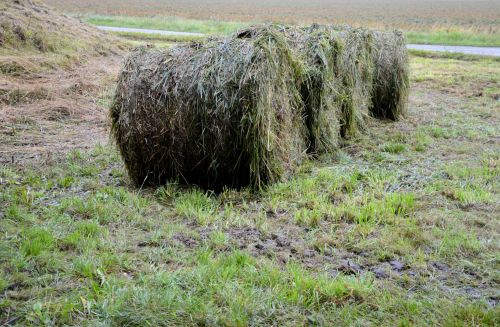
(40, 88)
(34, 38)
(55, 111)
(465, 15)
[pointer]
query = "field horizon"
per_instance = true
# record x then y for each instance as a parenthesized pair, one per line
(441, 36)
(464, 15)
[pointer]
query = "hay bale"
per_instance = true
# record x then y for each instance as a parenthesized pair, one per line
(337, 82)
(391, 82)
(356, 70)
(375, 72)
(336, 79)
(226, 112)
(315, 51)
(319, 50)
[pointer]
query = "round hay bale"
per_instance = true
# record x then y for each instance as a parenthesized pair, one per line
(320, 89)
(355, 69)
(316, 51)
(338, 84)
(226, 112)
(336, 79)
(391, 84)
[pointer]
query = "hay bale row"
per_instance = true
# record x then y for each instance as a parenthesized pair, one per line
(245, 110)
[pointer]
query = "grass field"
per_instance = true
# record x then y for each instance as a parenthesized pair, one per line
(440, 36)
(463, 22)
(400, 227)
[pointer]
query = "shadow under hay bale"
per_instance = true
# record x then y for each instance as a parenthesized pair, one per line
(222, 113)
(391, 84)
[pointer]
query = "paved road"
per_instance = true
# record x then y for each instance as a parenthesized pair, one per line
(482, 51)
(146, 31)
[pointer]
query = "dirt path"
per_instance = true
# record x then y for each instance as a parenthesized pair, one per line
(46, 115)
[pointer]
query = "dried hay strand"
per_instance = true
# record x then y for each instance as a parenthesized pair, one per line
(316, 53)
(226, 112)
(356, 71)
(375, 69)
(30, 25)
(391, 84)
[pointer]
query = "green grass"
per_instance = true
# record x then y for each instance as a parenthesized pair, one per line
(166, 23)
(157, 39)
(397, 229)
(226, 27)
(453, 38)
(171, 258)
(451, 55)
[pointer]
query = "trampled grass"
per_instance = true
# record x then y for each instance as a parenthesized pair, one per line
(398, 228)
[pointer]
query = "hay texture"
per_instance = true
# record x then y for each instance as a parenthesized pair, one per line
(319, 51)
(336, 80)
(391, 84)
(226, 112)
(245, 110)
(316, 53)
(356, 73)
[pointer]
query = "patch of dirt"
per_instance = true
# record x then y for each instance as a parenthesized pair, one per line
(56, 111)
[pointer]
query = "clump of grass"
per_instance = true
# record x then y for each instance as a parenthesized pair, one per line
(309, 218)
(369, 210)
(459, 243)
(196, 205)
(393, 147)
(35, 241)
